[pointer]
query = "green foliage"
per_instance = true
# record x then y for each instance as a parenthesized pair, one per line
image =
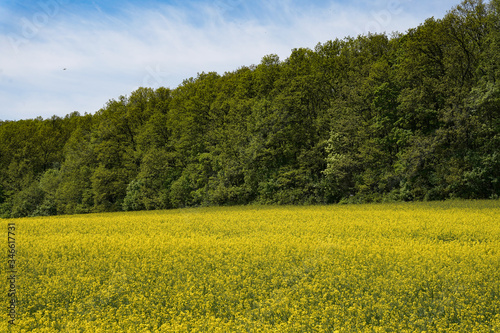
(27, 201)
(133, 199)
(414, 116)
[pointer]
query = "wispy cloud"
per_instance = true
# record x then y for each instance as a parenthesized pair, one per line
(109, 50)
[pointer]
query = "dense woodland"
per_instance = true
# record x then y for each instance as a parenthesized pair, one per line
(411, 116)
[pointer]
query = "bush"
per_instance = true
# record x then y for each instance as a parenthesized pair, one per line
(26, 202)
(133, 198)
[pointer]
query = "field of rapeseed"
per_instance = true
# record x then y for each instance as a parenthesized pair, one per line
(416, 267)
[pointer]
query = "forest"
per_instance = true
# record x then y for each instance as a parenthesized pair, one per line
(374, 118)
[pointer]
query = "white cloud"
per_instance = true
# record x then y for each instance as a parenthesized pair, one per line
(108, 56)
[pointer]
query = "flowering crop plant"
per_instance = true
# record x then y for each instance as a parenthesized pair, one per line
(399, 267)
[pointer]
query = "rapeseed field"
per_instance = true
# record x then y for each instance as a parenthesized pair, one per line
(405, 267)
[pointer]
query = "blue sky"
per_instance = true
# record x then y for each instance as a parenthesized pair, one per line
(60, 56)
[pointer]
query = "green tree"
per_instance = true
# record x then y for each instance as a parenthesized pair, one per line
(74, 194)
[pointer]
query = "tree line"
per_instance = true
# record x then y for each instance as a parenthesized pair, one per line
(410, 116)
